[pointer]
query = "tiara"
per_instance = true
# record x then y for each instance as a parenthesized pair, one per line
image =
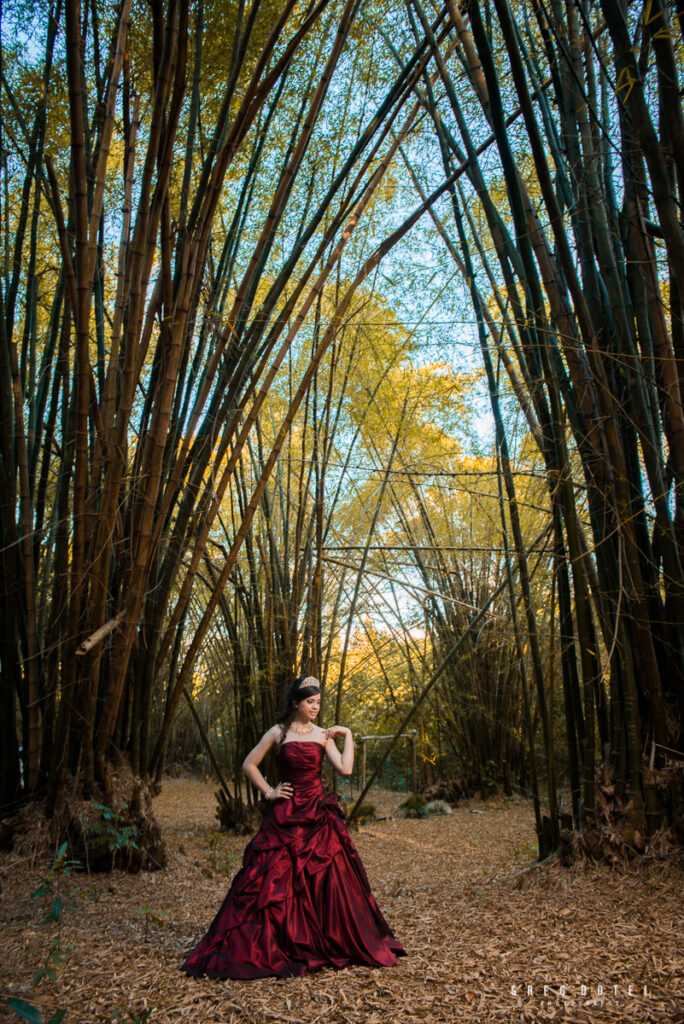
(309, 681)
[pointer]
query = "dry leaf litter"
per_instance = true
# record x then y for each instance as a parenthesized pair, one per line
(490, 936)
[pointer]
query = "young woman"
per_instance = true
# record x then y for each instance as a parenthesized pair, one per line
(301, 900)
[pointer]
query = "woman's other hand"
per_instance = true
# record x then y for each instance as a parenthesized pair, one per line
(336, 730)
(283, 791)
(343, 762)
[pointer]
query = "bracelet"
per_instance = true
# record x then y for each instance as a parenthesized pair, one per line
(267, 794)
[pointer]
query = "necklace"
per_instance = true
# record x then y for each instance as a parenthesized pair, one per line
(301, 730)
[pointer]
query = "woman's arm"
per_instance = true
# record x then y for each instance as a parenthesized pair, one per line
(343, 762)
(250, 767)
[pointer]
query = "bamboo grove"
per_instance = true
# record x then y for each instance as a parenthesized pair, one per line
(209, 212)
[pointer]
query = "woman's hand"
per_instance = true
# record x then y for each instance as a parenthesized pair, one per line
(343, 762)
(336, 730)
(283, 791)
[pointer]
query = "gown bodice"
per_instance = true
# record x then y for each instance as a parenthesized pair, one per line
(299, 763)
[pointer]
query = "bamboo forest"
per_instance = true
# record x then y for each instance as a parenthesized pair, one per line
(343, 340)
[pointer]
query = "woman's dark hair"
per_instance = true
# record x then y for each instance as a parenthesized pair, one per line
(303, 687)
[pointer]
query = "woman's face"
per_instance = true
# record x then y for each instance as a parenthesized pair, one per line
(309, 707)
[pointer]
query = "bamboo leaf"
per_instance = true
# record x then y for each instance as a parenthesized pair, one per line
(43, 972)
(26, 1010)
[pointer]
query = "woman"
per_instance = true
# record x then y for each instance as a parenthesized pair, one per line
(301, 900)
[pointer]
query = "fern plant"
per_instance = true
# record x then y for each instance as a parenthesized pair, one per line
(113, 831)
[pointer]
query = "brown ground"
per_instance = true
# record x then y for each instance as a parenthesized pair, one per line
(480, 925)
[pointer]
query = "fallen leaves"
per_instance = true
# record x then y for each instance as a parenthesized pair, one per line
(487, 940)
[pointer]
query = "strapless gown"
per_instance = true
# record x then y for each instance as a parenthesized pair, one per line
(301, 899)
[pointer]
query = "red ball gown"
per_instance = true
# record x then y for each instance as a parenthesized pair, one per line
(301, 900)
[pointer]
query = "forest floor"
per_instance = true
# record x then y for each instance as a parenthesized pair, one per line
(489, 936)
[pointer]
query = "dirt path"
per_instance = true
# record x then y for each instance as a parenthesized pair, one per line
(489, 937)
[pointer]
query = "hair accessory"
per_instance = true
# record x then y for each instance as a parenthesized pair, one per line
(305, 683)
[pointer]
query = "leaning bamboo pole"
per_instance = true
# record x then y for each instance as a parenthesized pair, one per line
(364, 559)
